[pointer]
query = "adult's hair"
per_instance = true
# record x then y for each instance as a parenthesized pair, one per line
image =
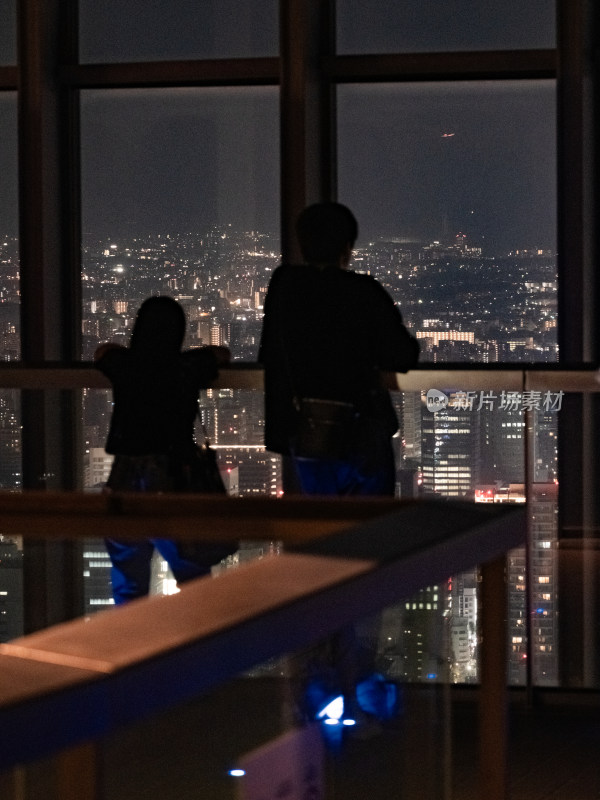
(159, 327)
(324, 232)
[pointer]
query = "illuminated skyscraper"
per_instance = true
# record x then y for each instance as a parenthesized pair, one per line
(543, 508)
(502, 446)
(450, 452)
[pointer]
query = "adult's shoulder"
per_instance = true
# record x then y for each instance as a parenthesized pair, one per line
(362, 278)
(287, 281)
(288, 272)
(368, 285)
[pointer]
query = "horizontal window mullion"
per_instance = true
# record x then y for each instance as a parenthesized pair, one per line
(494, 65)
(218, 72)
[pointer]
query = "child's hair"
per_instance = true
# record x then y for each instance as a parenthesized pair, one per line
(159, 327)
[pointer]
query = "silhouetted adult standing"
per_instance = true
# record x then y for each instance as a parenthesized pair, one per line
(328, 332)
(155, 393)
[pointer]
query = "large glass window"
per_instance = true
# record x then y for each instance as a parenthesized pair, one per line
(8, 198)
(8, 32)
(454, 187)
(185, 29)
(10, 429)
(455, 192)
(11, 547)
(180, 196)
(391, 26)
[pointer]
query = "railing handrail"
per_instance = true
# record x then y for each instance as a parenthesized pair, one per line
(511, 377)
(295, 520)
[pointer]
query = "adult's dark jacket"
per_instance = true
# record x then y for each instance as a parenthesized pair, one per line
(327, 333)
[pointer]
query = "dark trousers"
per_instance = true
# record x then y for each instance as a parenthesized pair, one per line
(370, 473)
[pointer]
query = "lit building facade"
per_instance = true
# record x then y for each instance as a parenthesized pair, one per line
(450, 452)
(540, 573)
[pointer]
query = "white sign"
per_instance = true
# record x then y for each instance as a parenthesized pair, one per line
(288, 768)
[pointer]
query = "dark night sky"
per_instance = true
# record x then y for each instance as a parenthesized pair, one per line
(194, 158)
(153, 30)
(179, 160)
(8, 164)
(183, 159)
(386, 26)
(494, 179)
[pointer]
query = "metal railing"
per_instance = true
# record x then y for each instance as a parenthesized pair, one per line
(494, 377)
(511, 377)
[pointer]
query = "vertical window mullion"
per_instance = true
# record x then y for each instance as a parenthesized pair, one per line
(47, 315)
(307, 133)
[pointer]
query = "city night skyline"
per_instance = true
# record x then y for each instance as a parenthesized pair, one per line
(453, 184)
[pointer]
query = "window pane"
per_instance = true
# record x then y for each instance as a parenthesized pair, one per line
(11, 586)
(181, 29)
(11, 548)
(10, 440)
(454, 190)
(180, 197)
(10, 412)
(478, 453)
(8, 33)
(9, 251)
(9, 223)
(402, 26)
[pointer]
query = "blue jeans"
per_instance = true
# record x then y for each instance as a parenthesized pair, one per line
(369, 473)
(130, 573)
(372, 473)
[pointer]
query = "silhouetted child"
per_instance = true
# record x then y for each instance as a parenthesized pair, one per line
(155, 393)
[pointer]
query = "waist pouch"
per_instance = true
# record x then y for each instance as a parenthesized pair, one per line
(326, 429)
